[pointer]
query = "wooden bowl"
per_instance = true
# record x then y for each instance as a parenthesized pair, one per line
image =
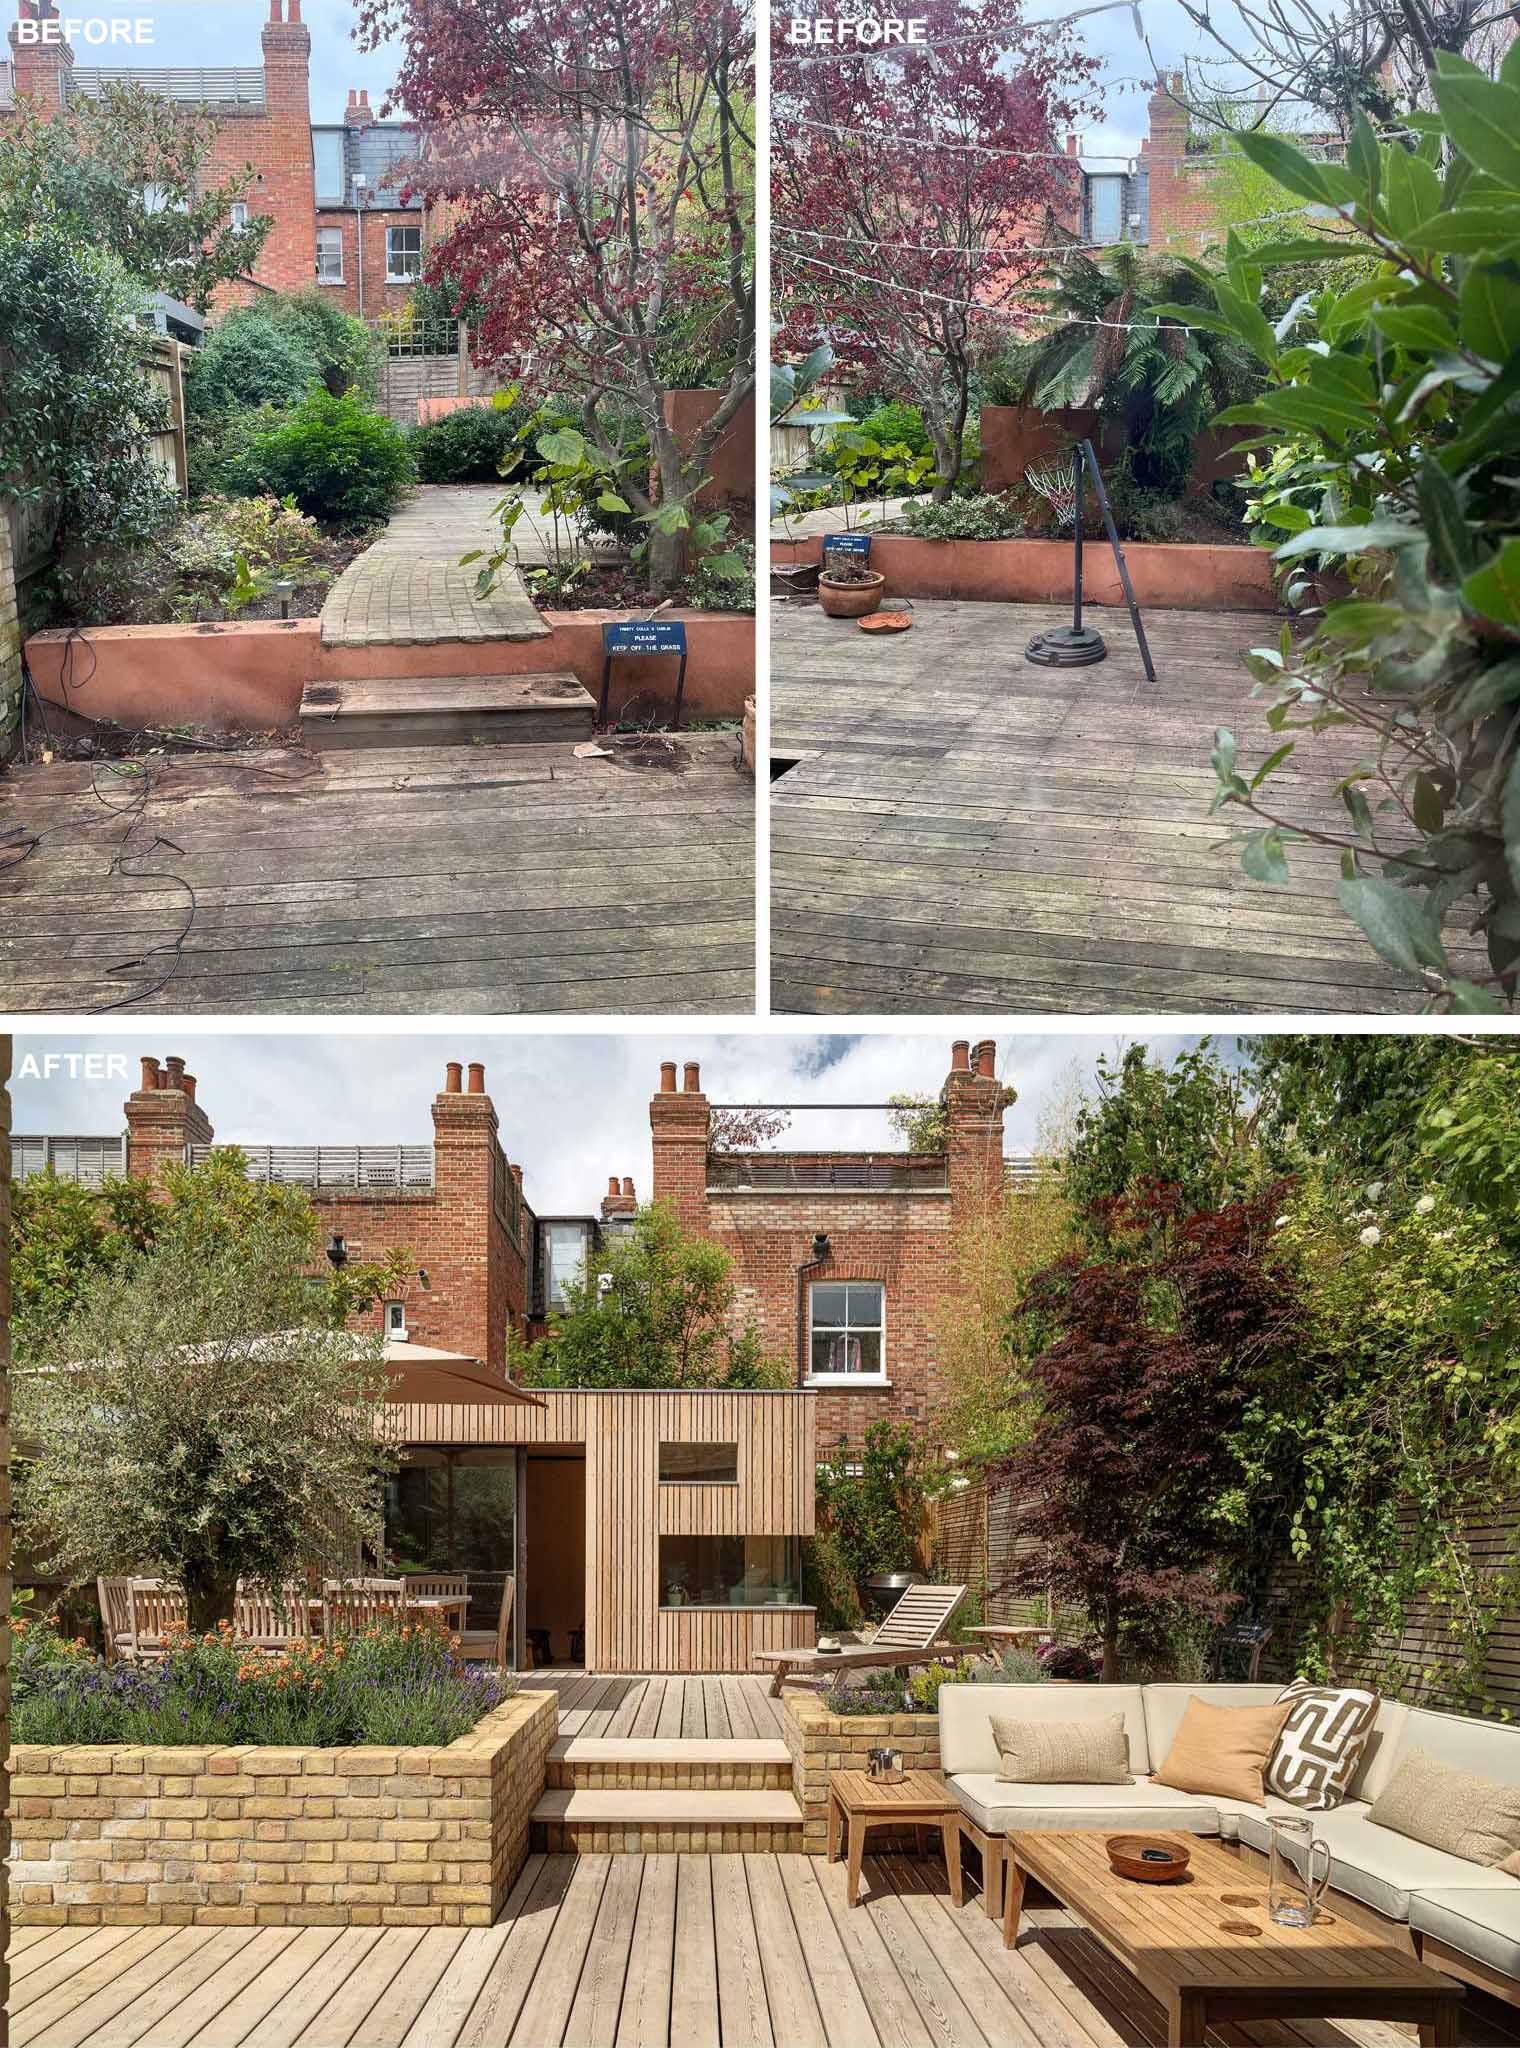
(1148, 1859)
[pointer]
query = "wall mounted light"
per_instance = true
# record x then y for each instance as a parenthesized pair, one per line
(337, 1252)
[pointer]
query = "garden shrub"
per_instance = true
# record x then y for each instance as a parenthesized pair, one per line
(1015, 1666)
(712, 591)
(346, 354)
(217, 444)
(338, 459)
(987, 517)
(249, 361)
(897, 421)
(881, 1693)
(925, 1682)
(476, 445)
(396, 1684)
(877, 1514)
(828, 1582)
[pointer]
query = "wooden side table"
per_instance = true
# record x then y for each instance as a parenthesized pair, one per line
(918, 1799)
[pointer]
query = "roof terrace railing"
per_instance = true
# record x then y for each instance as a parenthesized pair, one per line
(89, 1161)
(215, 85)
(364, 1167)
(924, 1173)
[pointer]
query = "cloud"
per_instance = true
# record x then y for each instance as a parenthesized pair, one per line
(573, 1108)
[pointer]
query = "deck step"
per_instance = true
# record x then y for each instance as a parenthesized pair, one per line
(668, 1821)
(588, 1763)
(411, 711)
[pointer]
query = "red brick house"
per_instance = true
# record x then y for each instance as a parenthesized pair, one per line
(843, 1259)
(332, 189)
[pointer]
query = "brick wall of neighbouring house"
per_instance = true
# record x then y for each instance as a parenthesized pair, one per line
(10, 642)
(210, 1836)
(459, 1231)
(903, 1238)
(380, 294)
(822, 1743)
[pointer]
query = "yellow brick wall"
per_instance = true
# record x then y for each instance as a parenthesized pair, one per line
(822, 1743)
(279, 1837)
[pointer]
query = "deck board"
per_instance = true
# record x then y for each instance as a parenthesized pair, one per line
(736, 1951)
(965, 832)
(674, 1707)
(496, 880)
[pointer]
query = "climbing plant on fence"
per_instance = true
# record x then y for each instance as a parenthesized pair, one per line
(1393, 408)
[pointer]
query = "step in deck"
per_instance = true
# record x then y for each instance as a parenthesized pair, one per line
(403, 711)
(671, 1820)
(712, 1764)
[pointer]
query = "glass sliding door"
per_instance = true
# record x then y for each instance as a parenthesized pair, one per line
(449, 1510)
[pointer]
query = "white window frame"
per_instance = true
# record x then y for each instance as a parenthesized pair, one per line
(395, 1321)
(238, 217)
(321, 277)
(848, 1379)
(403, 276)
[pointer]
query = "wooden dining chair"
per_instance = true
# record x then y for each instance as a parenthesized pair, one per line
(271, 1621)
(436, 1585)
(115, 1597)
(349, 1606)
(157, 1608)
(492, 1645)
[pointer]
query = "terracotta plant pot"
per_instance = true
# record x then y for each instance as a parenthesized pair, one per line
(851, 600)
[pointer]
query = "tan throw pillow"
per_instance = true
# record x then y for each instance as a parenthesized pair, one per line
(1322, 1742)
(1468, 1816)
(1223, 1750)
(1062, 1752)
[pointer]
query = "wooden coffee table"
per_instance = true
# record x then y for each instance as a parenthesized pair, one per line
(1205, 1948)
(918, 1799)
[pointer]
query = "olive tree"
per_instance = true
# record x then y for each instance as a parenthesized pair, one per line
(202, 1409)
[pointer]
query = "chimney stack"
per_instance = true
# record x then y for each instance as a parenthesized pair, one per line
(619, 1199)
(974, 1102)
(163, 1118)
(679, 1125)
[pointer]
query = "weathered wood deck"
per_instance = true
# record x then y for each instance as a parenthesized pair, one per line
(634, 1952)
(496, 880)
(965, 832)
(679, 1707)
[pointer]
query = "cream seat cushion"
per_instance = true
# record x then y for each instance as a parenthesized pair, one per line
(999, 1808)
(1376, 1865)
(1483, 1922)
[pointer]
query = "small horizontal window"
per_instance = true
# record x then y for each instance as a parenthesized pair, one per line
(730, 1571)
(699, 1464)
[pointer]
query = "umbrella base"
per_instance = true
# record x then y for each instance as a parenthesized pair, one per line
(1066, 647)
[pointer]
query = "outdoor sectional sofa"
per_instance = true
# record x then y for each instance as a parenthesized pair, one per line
(1462, 1918)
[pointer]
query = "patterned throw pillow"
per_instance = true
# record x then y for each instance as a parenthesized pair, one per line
(1321, 1743)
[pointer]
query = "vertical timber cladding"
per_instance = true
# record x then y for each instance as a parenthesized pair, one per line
(627, 1509)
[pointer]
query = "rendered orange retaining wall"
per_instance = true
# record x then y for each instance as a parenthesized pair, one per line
(249, 675)
(1180, 575)
(1013, 436)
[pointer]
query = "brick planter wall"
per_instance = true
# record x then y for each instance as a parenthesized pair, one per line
(822, 1743)
(279, 1837)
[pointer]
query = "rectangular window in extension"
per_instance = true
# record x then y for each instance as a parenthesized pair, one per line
(699, 1464)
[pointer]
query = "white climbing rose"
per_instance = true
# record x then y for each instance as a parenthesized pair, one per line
(1424, 1205)
(1371, 1235)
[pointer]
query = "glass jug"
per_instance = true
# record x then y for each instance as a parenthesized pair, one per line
(1293, 1892)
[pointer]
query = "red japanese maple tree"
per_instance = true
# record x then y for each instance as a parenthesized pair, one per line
(590, 163)
(1153, 1358)
(914, 183)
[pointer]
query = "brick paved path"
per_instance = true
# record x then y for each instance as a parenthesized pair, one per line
(408, 588)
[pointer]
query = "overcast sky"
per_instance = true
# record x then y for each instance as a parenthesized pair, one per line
(573, 1109)
(227, 32)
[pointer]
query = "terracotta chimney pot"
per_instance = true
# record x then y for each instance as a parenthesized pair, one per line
(453, 1073)
(960, 1056)
(986, 1059)
(667, 1077)
(628, 1189)
(691, 1079)
(477, 1078)
(149, 1072)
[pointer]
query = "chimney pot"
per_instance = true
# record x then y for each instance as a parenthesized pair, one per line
(516, 1173)
(452, 1075)
(628, 1189)
(293, 12)
(353, 97)
(612, 1184)
(364, 89)
(960, 1056)
(691, 1078)
(667, 1077)
(188, 1084)
(477, 1078)
(986, 1059)
(274, 11)
(149, 1072)
(174, 1067)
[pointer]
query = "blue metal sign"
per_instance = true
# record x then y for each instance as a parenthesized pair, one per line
(645, 636)
(848, 544)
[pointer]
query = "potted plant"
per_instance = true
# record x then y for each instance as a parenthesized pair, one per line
(847, 587)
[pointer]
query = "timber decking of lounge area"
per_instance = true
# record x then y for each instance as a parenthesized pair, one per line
(493, 880)
(734, 1951)
(963, 831)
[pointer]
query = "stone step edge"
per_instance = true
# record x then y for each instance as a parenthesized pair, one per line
(668, 1808)
(612, 1749)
